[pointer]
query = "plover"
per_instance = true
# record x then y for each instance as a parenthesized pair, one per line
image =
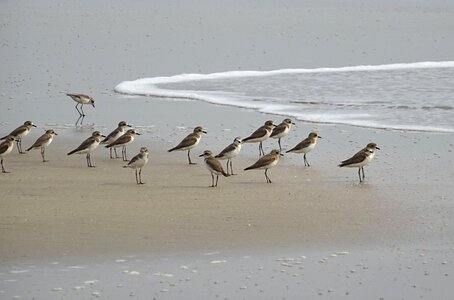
(361, 159)
(230, 152)
(5, 148)
(281, 130)
(138, 162)
(88, 146)
(306, 146)
(114, 135)
(214, 166)
(123, 141)
(43, 141)
(190, 142)
(266, 162)
(81, 99)
(19, 133)
(260, 135)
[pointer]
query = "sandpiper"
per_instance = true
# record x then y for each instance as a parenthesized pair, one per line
(124, 140)
(114, 135)
(19, 133)
(138, 162)
(306, 146)
(260, 135)
(88, 146)
(190, 142)
(5, 148)
(281, 130)
(230, 152)
(81, 99)
(266, 162)
(361, 159)
(43, 141)
(214, 166)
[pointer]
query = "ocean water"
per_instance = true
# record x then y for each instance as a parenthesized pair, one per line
(407, 96)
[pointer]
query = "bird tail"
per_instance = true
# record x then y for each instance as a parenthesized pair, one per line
(341, 164)
(72, 152)
(246, 139)
(30, 148)
(225, 174)
(170, 150)
(248, 168)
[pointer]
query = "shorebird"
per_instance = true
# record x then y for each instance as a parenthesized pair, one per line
(281, 130)
(81, 99)
(214, 166)
(124, 140)
(19, 133)
(88, 146)
(266, 162)
(230, 152)
(260, 135)
(190, 142)
(114, 135)
(306, 146)
(361, 159)
(5, 148)
(138, 162)
(43, 141)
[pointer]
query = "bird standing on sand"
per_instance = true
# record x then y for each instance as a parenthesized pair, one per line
(138, 162)
(281, 131)
(190, 142)
(81, 99)
(266, 162)
(361, 159)
(306, 146)
(123, 141)
(88, 146)
(214, 166)
(114, 135)
(19, 133)
(260, 135)
(5, 148)
(230, 152)
(43, 141)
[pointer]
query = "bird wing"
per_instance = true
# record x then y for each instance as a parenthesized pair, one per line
(111, 135)
(85, 144)
(278, 130)
(357, 158)
(257, 134)
(40, 141)
(262, 162)
(134, 159)
(186, 142)
(17, 131)
(227, 149)
(121, 140)
(214, 164)
(3, 147)
(301, 145)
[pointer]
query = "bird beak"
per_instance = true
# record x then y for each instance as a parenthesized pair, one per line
(138, 133)
(93, 104)
(103, 135)
(201, 155)
(33, 125)
(55, 133)
(128, 125)
(204, 131)
(281, 154)
(319, 136)
(377, 148)
(293, 123)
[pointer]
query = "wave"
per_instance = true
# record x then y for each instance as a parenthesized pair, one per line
(129, 87)
(150, 87)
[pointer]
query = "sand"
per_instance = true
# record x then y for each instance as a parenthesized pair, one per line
(68, 231)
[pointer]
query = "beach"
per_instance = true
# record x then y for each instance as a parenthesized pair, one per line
(72, 232)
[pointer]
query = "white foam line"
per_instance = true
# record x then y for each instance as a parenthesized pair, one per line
(122, 87)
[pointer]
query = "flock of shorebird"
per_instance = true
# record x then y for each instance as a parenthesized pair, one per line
(121, 137)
